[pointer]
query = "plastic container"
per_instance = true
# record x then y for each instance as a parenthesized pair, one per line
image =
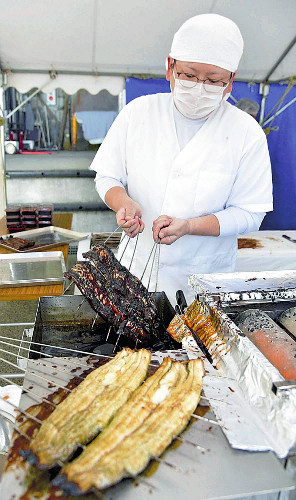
(29, 218)
(13, 210)
(28, 210)
(30, 224)
(44, 223)
(13, 219)
(45, 219)
(45, 210)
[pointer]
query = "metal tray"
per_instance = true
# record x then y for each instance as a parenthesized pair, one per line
(37, 268)
(227, 288)
(46, 237)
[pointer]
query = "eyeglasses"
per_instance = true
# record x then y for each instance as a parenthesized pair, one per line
(189, 81)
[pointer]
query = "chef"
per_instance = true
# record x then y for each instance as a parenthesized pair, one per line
(186, 168)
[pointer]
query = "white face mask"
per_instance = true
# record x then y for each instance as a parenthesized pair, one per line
(199, 101)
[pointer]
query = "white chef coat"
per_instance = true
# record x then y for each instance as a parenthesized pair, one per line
(225, 164)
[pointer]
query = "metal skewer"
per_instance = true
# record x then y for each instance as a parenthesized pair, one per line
(161, 460)
(119, 227)
(135, 247)
(32, 350)
(197, 446)
(147, 262)
(76, 310)
(61, 348)
(119, 260)
(68, 287)
(24, 412)
(198, 417)
(94, 321)
(152, 265)
(108, 333)
(35, 374)
(29, 391)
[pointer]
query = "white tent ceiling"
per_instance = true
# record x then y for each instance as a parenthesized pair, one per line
(123, 37)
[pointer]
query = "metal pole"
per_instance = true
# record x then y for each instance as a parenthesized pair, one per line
(279, 112)
(3, 200)
(264, 91)
(280, 59)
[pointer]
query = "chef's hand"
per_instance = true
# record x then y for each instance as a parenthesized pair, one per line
(166, 229)
(129, 218)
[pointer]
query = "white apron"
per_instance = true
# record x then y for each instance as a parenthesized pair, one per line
(199, 180)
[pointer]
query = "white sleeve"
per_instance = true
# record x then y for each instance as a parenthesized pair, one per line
(234, 221)
(103, 184)
(252, 188)
(110, 160)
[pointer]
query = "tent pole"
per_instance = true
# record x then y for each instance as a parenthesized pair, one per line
(280, 59)
(3, 200)
(280, 111)
(264, 91)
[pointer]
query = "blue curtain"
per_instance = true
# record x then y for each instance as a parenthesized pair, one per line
(281, 143)
(282, 149)
(135, 87)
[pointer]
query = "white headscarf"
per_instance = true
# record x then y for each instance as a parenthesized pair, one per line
(209, 39)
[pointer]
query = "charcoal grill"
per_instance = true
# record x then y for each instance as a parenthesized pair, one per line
(61, 322)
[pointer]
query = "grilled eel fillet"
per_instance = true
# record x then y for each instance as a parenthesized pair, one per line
(89, 408)
(142, 429)
(123, 281)
(111, 307)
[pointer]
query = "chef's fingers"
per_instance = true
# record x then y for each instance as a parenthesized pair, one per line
(138, 229)
(162, 218)
(161, 222)
(133, 211)
(167, 240)
(166, 236)
(142, 226)
(164, 232)
(120, 216)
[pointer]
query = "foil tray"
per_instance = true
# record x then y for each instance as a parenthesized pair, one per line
(46, 237)
(222, 293)
(238, 287)
(38, 268)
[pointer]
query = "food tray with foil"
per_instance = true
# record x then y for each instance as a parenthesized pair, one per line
(42, 238)
(18, 270)
(230, 288)
(254, 315)
(183, 471)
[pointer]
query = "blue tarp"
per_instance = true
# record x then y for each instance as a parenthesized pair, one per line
(282, 143)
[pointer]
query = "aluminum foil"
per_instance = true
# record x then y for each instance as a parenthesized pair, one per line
(273, 416)
(239, 287)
